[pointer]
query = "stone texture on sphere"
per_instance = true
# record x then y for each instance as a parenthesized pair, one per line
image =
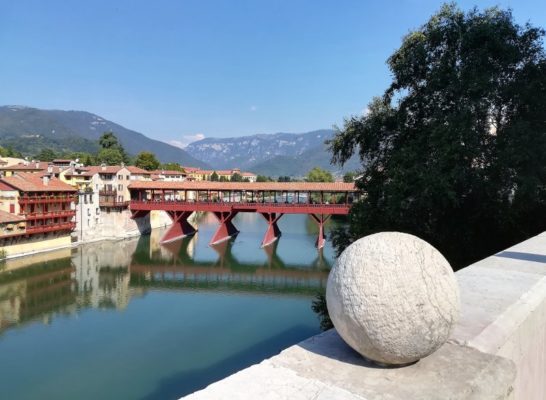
(393, 298)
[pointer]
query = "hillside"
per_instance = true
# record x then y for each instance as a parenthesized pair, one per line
(275, 154)
(29, 130)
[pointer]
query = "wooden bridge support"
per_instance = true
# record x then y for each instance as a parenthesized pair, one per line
(226, 229)
(273, 232)
(320, 220)
(180, 227)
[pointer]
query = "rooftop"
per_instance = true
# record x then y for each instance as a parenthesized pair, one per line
(257, 186)
(28, 182)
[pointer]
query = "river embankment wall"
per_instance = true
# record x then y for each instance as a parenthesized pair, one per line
(109, 225)
(496, 351)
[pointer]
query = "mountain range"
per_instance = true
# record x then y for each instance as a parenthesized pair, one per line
(276, 154)
(30, 130)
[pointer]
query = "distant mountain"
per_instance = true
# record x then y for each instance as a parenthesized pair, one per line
(29, 130)
(274, 154)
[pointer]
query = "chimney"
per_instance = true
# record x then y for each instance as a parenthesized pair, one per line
(49, 169)
(45, 180)
(38, 165)
(122, 165)
(103, 166)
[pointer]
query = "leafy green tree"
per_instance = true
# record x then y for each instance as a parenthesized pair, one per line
(9, 152)
(284, 179)
(236, 177)
(223, 179)
(87, 160)
(46, 155)
(171, 166)
(455, 150)
(109, 141)
(319, 175)
(349, 177)
(147, 160)
(263, 178)
(110, 156)
(214, 177)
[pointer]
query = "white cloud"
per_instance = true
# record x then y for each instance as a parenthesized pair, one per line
(253, 108)
(365, 111)
(186, 140)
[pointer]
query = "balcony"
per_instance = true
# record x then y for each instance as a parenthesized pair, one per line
(46, 199)
(50, 214)
(65, 226)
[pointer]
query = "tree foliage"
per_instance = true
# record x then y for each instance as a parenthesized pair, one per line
(171, 166)
(111, 149)
(284, 179)
(110, 156)
(319, 175)
(147, 160)
(214, 177)
(455, 149)
(236, 177)
(46, 155)
(263, 178)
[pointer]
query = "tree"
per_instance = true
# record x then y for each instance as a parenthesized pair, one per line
(46, 155)
(236, 177)
(319, 175)
(110, 156)
(223, 179)
(109, 141)
(171, 166)
(146, 160)
(214, 177)
(263, 178)
(284, 179)
(349, 177)
(455, 150)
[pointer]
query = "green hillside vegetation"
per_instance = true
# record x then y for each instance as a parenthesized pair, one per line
(30, 130)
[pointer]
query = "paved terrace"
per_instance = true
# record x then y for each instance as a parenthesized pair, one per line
(226, 199)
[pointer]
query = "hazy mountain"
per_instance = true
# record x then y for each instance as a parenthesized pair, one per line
(29, 130)
(275, 154)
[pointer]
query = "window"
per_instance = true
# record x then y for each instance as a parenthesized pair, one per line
(12, 208)
(127, 177)
(97, 211)
(120, 177)
(120, 187)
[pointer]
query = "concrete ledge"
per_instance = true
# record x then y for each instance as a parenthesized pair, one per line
(497, 350)
(324, 367)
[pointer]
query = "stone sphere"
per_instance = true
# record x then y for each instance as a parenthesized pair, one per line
(393, 298)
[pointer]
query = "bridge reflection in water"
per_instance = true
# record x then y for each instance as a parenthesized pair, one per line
(108, 275)
(228, 273)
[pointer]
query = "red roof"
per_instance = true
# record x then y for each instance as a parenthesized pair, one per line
(28, 182)
(9, 217)
(136, 170)
(249, 186)
(31, 166)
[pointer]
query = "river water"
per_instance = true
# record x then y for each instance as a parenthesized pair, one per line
(133, 319)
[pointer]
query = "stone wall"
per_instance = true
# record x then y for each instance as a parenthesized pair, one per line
(496, 351)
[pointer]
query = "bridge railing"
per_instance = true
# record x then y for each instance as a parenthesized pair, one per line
(242, 203)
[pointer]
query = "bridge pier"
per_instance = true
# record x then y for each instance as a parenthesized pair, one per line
(320, 220)
(273, 232)
(180, 227)
(226, 229)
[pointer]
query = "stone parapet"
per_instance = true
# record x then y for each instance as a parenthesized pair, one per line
(496, 351)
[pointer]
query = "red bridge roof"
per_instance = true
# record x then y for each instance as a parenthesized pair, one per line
(248, 186)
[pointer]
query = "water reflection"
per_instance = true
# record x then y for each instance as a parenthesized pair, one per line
(107, 275)
(136, 319)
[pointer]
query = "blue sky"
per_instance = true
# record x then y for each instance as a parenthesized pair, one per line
(177, 70)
